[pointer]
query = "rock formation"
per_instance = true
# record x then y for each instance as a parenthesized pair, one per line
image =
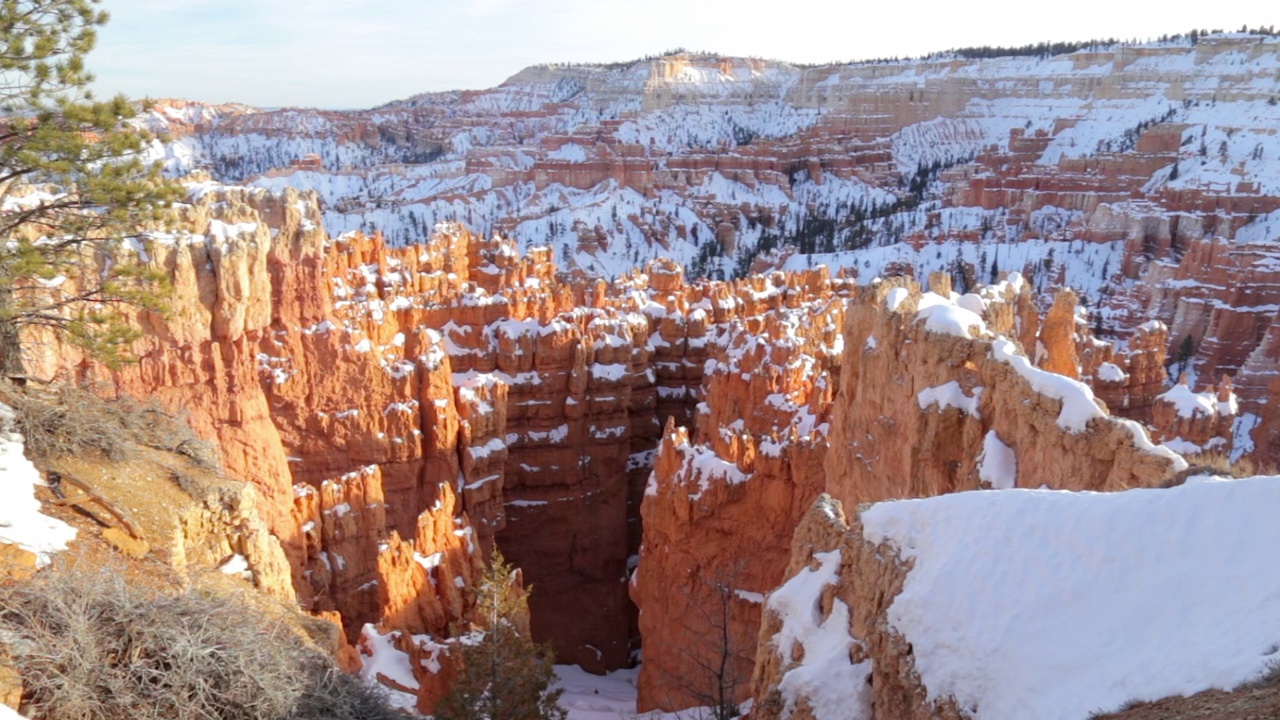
(1192, 422)
(924, 397)
(717, 512)
(932, 400)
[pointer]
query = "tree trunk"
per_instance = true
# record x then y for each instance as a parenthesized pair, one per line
(11, 364)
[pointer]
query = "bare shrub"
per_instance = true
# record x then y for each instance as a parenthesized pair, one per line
(1216, 462)
(1268, 680)
(90, 646)
(71, 420)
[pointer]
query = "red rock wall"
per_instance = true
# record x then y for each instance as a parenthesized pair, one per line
(719, 507)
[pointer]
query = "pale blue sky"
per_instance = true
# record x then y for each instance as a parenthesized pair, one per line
(359, 53)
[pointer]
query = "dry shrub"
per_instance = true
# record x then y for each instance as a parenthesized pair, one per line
(1269, 680)
(1216, 462)
(91, 647)
(69, 420)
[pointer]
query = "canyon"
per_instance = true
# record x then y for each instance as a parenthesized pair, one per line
(630, 323)
(1142, 176)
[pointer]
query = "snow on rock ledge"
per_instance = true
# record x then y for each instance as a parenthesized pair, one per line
(1044, 605)
(894, 426)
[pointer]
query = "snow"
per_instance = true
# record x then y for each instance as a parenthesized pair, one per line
(222, 233)
(31, 199)
(610, 696)
(704, 467)
(894, 298)
(570, 152)
(1050, 605)
(608, 373)
(1182, 447)
(1151, 326)
(21, 522)
(1265, 229)
(494, 141)
(597, 697)
(379, 656)
(1242, 435)
(1077, 262)
(997, 465)
(950, 395)
(943, 315)
(834, 688)
(1188, 403)
(1108, 372)
(237, 566)
(428, 562)
(1078, 405)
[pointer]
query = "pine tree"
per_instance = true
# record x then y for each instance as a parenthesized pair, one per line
(504, 674)
(1186, 349)
(72, 187)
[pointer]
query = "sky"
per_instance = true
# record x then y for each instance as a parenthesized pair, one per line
(361, 53)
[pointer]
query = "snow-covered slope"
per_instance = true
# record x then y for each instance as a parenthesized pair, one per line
(1039, 604)
(1147, 177)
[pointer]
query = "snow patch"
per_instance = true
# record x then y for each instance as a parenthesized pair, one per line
(834, 688)
(997, 465)
(950, 395)
(21, 522)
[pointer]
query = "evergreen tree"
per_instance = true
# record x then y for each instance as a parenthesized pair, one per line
(504, 675)
(73, 187)
(1186, 349)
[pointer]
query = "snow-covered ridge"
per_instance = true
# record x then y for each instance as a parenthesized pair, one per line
(1041, 605)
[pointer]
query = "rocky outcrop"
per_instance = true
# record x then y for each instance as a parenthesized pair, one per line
(497, 400)
(261, 348)
(932, 401)
(919, 394)
(853, 583)
(1149, 209)
(1192, 422)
